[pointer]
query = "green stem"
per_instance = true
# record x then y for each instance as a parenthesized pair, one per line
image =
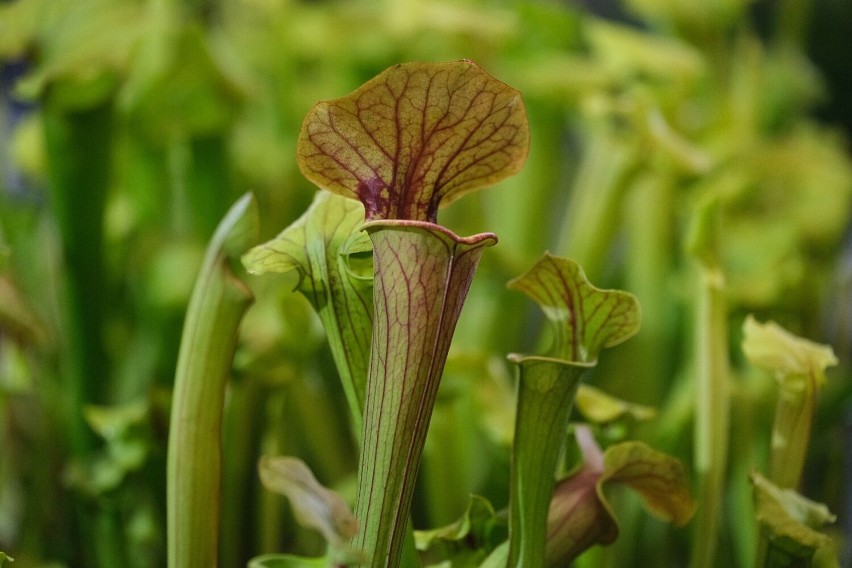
(216, 308)
(208, 181)
(422, 275)
(591, 218)
(452, 457)
(649, 216)
(712, 403)
(791, 431)
(240, 443)
(78, 147)
(546, 391)
(78, 143)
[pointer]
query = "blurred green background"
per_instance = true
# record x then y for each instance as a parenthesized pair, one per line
(128, 127)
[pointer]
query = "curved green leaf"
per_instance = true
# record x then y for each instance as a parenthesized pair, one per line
(659, 478)
(601, 408)
(314, 506)
(466, 542)
(320, 246)
(415, 137)
(580, 515)
(584, 319)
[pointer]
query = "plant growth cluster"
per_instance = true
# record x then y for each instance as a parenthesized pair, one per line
(326, 372)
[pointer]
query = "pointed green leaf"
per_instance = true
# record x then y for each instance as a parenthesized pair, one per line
(415, 137)
(710, 332)
(791, 522)
(4, 557)
(467, 541)
(322, 246)
(314, 506)
(584, 319)
(601, 408)
(659, 478)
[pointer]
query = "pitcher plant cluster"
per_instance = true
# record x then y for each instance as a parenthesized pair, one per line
(389, 283)
(392, 381)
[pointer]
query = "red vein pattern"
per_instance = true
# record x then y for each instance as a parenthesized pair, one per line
(584, 319)
(415, 137)
(580, 515)
(423, 273)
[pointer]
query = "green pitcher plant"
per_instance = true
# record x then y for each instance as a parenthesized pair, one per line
(388, 283)
(412, 139)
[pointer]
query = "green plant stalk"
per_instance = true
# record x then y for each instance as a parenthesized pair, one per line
(422, 275)
(240, 439)
(591, 219)
(546, 391)
(208, 181)
(276, 439)
(749, 413)
(413, 138)
(216, 308)
(452, 454)
(712, 402)
(711, 418)
(791, 434)
(791, 431)
(648, 358)
(583, 320)
(78, 143)
(319, 247)
(648, 226)
(78, 150)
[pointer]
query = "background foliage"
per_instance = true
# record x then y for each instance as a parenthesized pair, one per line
(127, 127)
